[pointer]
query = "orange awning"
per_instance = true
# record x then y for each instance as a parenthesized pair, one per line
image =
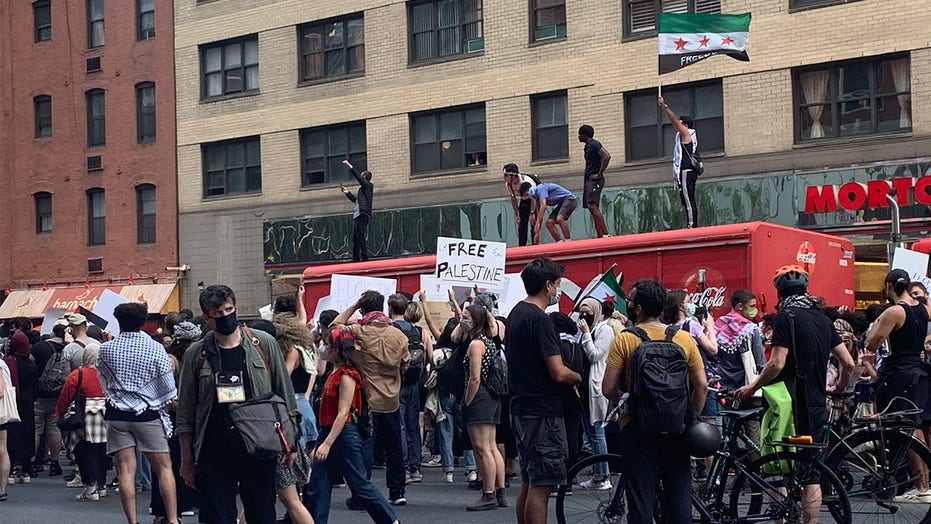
(29, 303)
(160, 298)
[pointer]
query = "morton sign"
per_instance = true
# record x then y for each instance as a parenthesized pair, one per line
(852, 196)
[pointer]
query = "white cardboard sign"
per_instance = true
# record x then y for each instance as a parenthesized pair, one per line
(435, 290)
(346, 289)
(105, 306)
(465, 262)
(914, 262)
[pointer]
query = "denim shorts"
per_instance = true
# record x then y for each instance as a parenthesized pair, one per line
(484, 409)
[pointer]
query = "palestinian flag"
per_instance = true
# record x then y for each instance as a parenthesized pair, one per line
(688, 38)
(606, 288)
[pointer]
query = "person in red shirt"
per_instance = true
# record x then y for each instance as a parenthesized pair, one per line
(342, 440)
(91, 450)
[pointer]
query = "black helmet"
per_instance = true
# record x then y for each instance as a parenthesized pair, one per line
(793, 275)
(702, 439)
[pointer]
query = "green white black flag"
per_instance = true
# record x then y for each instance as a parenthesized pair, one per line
(688, 38)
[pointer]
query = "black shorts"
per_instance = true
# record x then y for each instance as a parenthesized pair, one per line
(541, 448)
(484, 409)
(591, 192)
(564, 209)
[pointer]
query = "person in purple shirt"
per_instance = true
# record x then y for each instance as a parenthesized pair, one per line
(550, 194)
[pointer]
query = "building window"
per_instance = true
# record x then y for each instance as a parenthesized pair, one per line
(333, 48)
(548, 18)
(96, 118)
(445, 28)
(324, 149)
(42, 19)
(802, 4)
(145, 23)
(232, 168)
(858, 97)
(649, 133)
(145, 112)
(230, 67)
(641, 16)
(96, 217)
(94, 23)
(43, 212)
(550, 126)
(43, 112)
(145, 214)
(448, 139)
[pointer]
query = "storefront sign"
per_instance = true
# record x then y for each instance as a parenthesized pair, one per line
(852, 196)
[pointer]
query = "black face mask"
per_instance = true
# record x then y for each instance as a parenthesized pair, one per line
(588, 318)
(226, 325)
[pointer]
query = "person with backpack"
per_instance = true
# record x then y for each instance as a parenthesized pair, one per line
(420, 347)
(523, 210)
(687, 165)
(53, 369)
(659, 365)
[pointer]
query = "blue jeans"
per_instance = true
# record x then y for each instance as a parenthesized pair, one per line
(346, 457)
(308, 420)
(596, 436)
(453, 422)
(410, 426)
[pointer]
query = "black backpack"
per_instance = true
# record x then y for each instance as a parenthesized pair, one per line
(536, 178)
(418, 367)
(660, 397)
(497, 380)
(695, 157)
(56, 370)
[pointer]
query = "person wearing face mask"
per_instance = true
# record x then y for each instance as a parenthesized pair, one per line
(597, 337)
(679, 310)
(229, 365)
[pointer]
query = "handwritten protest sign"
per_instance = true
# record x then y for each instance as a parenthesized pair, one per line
(346, 289)
(914, 262)
(465, 262)
(435, 290)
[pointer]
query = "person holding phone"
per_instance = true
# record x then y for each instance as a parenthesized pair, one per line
(362, 213)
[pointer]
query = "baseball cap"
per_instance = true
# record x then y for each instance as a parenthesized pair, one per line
(898, 275)
(77, 319)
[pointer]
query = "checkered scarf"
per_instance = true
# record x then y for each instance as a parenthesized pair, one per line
(135, 373)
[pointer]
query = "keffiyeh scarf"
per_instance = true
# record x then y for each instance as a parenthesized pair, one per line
(797, 301)
(733, 330)
(375, 316)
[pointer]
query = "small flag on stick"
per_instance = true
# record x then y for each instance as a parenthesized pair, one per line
(606, 288)
(685, 39)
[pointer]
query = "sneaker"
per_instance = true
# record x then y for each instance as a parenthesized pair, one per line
(54, 468)
(435, 462)
(500, 499)
(555, 492)
(101, 492)
(448, 477)
(115, 483)
(70, 476)
(353, 505)
(76, 482)
(87, 495)
(397, 499)
(596, 485)
(407, 478)
(913, 497)
(483, 504)
(472, 475)
(25, 479)
(340, 485)
(187, 513)
(378, 466)
(416, 477)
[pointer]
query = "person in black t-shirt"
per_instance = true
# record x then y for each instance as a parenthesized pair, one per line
(596, 161)
(802, 361)
(683, 172)
(537, 378)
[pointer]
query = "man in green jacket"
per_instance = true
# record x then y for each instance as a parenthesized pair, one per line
(228, 367)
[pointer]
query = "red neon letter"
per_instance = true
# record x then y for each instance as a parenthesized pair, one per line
(852, 196)
(902, 185)
(877, 189)
(820, 199)
(922, 193)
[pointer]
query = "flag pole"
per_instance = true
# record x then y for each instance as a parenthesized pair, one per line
(659, 89)
(582, 291)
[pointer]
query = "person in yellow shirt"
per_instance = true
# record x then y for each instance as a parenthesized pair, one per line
(647, 458)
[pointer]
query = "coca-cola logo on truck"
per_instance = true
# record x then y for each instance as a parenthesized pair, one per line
(712, 293)
(806, 257)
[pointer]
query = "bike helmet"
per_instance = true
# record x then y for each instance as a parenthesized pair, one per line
(702, 439)
(790, 275)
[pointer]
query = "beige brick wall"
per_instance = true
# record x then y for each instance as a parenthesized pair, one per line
(593, 64)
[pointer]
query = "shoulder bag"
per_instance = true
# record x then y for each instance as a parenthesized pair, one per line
(73, 417)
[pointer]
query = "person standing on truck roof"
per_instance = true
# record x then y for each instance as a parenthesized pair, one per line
(549, 194)
(683, 172)
(523, 210)
(361, 213)
(596, 161)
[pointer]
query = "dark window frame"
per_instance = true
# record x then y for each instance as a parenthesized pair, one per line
(462, 27)
(228, 72)
(96, 224)
(692, 6)
(838, 105)
(91, 24)
(345, 50)
(146, 223)
(467, 152)
(42, 112)
(358, 157)
(145, 20)
(146, 129)
(804, 5)
(557, 35)
(662, 122)
(43, 202)
(246, 166)
(43, 28)
(92, 120)
(537, 149)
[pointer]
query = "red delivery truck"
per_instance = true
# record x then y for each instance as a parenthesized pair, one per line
(729, 256)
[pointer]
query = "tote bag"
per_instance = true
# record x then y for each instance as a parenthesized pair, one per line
(8, 411)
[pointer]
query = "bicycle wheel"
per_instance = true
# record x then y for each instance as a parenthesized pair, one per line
(604, 506)
(771, 489)
(874, 468)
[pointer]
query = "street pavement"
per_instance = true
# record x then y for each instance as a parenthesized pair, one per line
(47, 501)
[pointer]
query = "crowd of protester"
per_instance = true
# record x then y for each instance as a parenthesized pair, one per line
(506, 400)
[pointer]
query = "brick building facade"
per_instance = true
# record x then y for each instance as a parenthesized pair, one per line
(434, 97)
(87, 132)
